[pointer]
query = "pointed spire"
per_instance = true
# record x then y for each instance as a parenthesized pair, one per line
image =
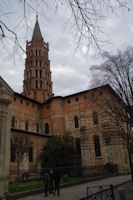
(37, 32)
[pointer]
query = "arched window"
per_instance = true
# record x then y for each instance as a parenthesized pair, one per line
(78, 150)
(97, 146)
(46, 128)
(40, 73)
(13, 122)
(26, 125)
(36, 84)
(37, 127)
(40, 84)
(76, 122)
(95, 118)
(31, 154)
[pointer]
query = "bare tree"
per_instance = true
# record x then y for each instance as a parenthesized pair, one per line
(21, 145)
(85, 16)
(117, 70)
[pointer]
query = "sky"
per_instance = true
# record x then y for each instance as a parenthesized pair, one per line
(69, 65)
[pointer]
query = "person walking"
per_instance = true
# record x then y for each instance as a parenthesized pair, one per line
(51, 187)
(46, 180)
(57, 178)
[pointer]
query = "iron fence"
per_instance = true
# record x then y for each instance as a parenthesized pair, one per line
(102, 192)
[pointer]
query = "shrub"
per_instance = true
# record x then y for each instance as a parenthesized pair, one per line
(65, 178)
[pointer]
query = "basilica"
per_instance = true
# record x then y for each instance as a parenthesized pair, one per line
(38, 114)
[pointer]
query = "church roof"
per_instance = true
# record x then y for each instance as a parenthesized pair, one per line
(37, 32)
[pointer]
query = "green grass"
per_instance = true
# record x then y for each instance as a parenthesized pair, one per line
(25, 186)
(34, 185)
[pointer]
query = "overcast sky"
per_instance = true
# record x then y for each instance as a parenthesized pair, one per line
(70, 67)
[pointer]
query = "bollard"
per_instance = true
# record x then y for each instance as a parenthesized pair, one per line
(122, 193)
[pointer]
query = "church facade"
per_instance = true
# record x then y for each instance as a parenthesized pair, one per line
(39, 114)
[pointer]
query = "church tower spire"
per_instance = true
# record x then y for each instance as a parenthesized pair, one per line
(37, 74)
(37, 32)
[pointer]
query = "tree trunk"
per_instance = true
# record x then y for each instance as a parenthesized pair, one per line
(18, 176)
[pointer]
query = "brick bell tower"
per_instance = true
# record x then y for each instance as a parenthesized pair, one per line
(37, 74)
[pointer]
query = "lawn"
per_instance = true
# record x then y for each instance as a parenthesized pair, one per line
(37, 184)
(25, 186)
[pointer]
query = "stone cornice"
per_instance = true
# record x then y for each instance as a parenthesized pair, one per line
(29, 132)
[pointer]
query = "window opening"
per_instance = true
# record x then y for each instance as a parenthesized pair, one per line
(97, 146)
(46, 128)
(76, 122)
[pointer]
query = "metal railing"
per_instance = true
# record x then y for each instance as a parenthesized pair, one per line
(102, 192)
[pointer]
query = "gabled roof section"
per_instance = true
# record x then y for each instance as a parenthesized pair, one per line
(5, 91)
(4, 87)
(37, 32)
(27, 98)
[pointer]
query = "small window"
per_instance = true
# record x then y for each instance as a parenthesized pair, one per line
(97, 146)
(14, 98)
(40, 84)
(27, 103)
(21, 101)
(95, 118)
(36, 84)
(47, 107)
(100, 93)
(40, 63)
(37, 127)
(69, 101)
(31, 154)
(39, 52)
(76, 99)
(46, 128)
(40, 73)
(26, 125)
(13, 122)
(76, 122)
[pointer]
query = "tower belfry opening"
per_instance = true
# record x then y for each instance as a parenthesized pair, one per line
(37, 74)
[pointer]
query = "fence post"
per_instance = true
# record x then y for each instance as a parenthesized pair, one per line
(112, 192)
(122, 193)
(87, 193)
(101, 191)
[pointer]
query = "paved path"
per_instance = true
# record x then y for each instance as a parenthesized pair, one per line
(79, 191)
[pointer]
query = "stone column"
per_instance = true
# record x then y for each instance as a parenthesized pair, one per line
(5, 119)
